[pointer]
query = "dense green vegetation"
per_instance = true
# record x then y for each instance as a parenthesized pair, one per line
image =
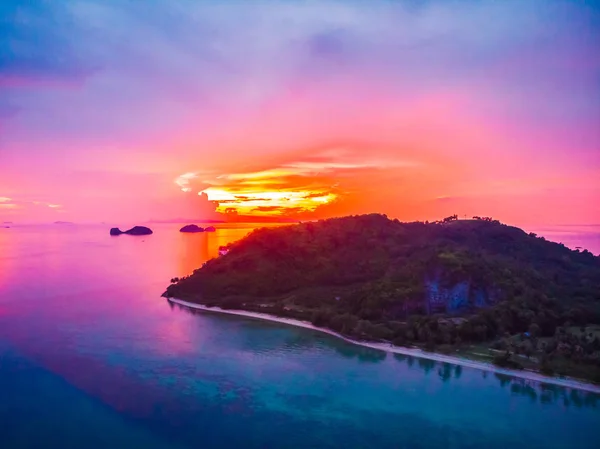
(443, 286)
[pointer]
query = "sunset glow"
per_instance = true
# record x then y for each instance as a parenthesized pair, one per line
(299, 224)
(293, 188)
(300, 110)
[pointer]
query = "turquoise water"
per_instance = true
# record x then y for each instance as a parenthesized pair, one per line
(91, 356)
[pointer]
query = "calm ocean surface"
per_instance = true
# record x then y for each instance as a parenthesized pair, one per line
(91, 357)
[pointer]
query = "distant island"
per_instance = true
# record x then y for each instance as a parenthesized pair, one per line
(191, 228)
(476, 288)
(136, 230)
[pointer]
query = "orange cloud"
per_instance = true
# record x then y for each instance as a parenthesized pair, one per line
(296, 186)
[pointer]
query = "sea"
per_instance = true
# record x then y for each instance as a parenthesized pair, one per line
(92, 357)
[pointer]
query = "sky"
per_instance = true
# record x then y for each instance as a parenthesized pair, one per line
(115, 110)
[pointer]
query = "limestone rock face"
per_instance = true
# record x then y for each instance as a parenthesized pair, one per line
(456, 298)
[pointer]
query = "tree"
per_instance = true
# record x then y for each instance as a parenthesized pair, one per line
(534, 330)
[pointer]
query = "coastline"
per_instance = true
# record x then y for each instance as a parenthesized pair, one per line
(529, 375)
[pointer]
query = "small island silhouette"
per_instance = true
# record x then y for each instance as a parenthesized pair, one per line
(136, 230)
(191, 228)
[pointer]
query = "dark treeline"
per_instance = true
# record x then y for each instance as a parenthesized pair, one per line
(367, 277)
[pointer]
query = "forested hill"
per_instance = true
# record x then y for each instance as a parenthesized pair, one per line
(399, 265)
(375, 277)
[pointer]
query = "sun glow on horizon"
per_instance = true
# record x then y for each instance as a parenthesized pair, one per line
(261, 202)
(287, 189)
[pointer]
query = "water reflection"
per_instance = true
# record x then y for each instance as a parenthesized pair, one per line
(445, 371)
(97, 321)
(426, 364)
(193, 251)
(302, 341)
(458, 371)
(409, 359)
(534, 390)
(367, 355)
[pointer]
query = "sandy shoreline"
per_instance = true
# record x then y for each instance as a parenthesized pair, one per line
(529, 375)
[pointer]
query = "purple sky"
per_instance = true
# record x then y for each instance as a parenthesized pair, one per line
(481, 107)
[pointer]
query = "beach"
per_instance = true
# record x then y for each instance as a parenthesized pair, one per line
(388, 347)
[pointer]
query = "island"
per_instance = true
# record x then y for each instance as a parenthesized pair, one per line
(474, 289)
(136, 230)
(191, 228)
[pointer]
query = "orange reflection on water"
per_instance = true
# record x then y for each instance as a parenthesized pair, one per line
(195, 249)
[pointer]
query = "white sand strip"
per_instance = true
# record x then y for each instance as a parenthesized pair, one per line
(524, 374)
